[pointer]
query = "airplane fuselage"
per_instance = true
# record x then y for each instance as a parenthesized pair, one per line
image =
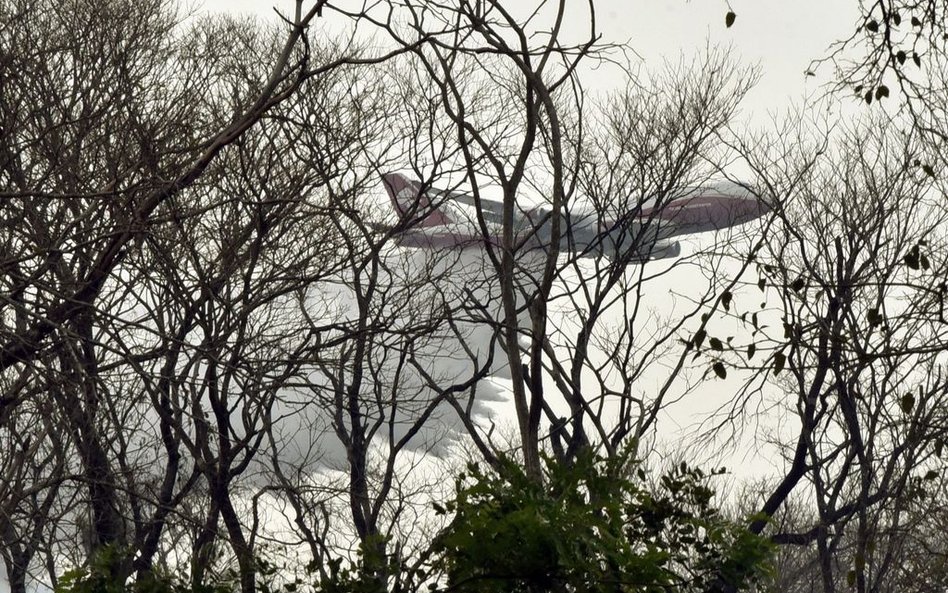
(437, 219)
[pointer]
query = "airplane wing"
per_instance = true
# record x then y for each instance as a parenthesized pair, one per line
(662, 249)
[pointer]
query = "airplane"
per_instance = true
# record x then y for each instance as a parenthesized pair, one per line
(438, 219)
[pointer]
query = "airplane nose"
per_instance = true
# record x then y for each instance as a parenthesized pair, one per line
(747, 202)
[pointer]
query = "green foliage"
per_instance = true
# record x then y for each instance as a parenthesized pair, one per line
(367, 575)
(592, 526)
(102, 575)
(105, 574)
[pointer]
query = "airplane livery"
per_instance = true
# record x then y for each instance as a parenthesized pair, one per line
(433, 218)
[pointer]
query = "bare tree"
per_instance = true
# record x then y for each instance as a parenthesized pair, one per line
(895, 52)
(525, 126)
(151, 233)
(852, 334)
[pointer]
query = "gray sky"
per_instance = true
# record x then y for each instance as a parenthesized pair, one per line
(781, 37)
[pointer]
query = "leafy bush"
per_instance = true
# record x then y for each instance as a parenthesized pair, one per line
(593, 526)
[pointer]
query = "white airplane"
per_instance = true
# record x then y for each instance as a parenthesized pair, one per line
(437, 219)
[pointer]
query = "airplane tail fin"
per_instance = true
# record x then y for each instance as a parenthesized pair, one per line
(412, 202)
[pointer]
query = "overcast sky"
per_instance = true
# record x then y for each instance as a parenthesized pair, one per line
(781, 37)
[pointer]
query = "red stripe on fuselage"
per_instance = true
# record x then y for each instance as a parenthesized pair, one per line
(715, 210)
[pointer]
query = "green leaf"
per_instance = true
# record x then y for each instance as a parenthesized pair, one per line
(716, 344)
(780, 360)
(931, 475)
(882, 91)
(896, 19)
(798, 284)
(917, 59)
(761, 284)
(719, 370)
(900, 56)
(872, 26)
(726, 297)
(751, 350)
(729, 19)
(928, 170)
(869, 97)
(916, 22)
